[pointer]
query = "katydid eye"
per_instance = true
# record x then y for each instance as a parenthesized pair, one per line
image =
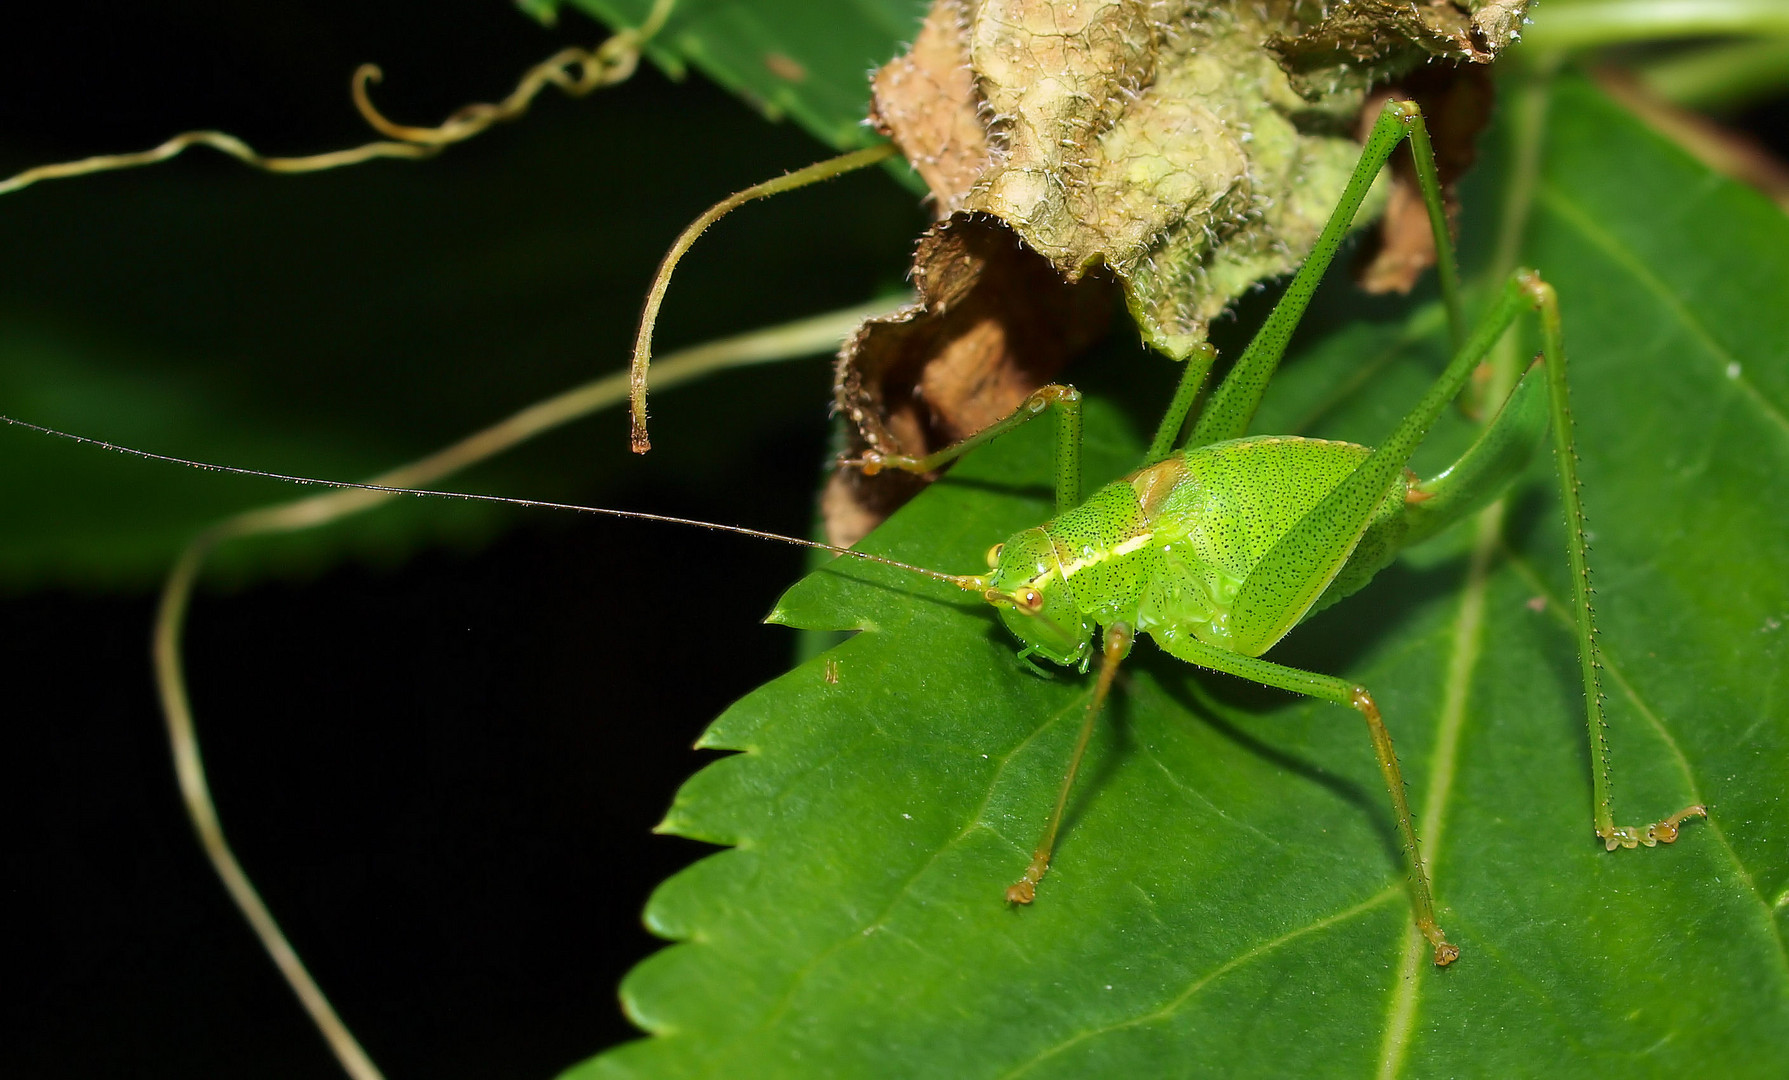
(1031, 600)
(994, 554)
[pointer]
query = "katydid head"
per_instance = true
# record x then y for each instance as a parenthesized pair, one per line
(1034, 602)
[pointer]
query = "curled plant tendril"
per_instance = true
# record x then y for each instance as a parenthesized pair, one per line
(574, 71)
(217, 140)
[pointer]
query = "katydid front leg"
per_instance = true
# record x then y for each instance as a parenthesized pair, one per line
(1117, 646)
(1063, 401)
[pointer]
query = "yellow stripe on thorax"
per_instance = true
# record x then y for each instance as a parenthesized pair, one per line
(1094, 558)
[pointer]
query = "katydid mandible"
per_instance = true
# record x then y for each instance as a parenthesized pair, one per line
(1218, 549)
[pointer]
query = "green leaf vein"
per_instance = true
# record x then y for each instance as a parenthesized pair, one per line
(1167, 1009)
(1572, 213)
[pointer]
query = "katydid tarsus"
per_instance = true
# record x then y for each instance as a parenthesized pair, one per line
(1218, 548)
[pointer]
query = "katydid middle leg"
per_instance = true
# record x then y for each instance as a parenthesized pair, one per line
(1341, 692)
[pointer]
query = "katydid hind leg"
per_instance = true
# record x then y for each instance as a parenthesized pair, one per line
(1477, 477)
(1290, 578)
(1117, 645)
(1546, 304)
(1340, 692)
(1296, 573)
(1233, 405)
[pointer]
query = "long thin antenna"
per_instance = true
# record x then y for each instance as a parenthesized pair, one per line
(967, 583)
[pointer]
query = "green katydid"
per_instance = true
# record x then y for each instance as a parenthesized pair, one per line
(1219, 549)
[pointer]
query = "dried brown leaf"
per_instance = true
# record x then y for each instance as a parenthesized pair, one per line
(1191, 148)
(1456, 104)
(994, 321)
(1372, 39)
(926, 101)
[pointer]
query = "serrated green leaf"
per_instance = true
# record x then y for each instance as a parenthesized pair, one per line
(1227, 896)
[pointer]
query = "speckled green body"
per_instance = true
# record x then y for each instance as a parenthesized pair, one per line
(1167, 549)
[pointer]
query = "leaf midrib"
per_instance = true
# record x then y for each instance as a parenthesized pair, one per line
(1468, 639)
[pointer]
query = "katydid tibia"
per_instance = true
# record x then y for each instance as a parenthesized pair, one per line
(1219, 544)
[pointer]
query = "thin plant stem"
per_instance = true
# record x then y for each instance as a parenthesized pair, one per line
(1722, 76)
(1586, 25)
(574, 71)
(802, 338)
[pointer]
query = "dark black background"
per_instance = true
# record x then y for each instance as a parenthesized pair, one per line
(433, 772)
(442, 774)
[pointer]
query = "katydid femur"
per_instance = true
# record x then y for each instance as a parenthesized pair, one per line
(1218, 549)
